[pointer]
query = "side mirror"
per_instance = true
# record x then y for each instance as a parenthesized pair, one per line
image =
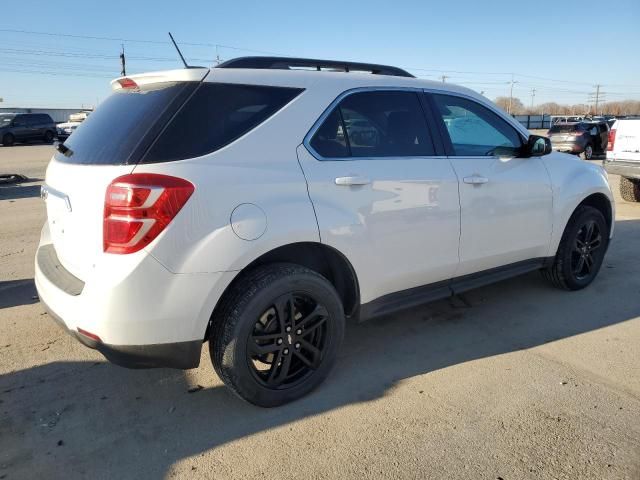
(537, 146)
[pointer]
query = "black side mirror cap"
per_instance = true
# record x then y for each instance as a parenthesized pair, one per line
(537, 146)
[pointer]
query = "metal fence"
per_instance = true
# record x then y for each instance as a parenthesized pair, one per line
(533, 122)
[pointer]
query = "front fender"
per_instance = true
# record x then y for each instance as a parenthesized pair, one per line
(572, 181)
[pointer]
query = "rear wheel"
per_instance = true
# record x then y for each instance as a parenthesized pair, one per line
(8, 140)
(581, 250)
(588, 152)
(276, 335)
(630, 189)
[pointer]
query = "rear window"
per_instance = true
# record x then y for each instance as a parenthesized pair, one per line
(564, 128)
(167, 122)
(123, 126)
(216, 115)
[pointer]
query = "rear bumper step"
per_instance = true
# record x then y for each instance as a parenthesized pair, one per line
(51, 268)
(180, 355)
(625, 169)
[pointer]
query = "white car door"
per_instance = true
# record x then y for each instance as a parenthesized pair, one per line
(381, 195)
(506, 201)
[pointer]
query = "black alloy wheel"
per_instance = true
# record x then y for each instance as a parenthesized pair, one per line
(581, 250)
(586, 248)
(276, 333)
(288, 341)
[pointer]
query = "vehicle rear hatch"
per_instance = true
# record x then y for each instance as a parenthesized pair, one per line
(108, 144)
(563, 133)
(627, 141)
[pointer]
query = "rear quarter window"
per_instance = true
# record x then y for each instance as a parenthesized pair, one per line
(216, 115)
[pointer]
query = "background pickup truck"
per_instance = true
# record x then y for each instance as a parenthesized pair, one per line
(623, 157)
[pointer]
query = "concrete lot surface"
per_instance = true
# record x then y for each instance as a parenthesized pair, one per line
(513, 381)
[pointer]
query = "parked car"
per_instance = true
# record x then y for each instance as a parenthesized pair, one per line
(623, 157)
(229, 205)
(63, 130)
(580, 138)
(25, 127)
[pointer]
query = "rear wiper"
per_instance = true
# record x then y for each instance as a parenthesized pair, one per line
(63, 149)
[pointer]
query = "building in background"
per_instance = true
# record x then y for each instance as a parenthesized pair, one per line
(58, 114)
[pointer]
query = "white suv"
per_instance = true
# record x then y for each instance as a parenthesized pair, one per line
(259, 204)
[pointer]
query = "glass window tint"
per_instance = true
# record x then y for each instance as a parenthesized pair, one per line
(20, 121)
(216, 115)
(330, 140)
(111, 134)
(386, 124)
(475, 130)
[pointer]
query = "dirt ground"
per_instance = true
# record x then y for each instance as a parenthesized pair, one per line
(517, 380)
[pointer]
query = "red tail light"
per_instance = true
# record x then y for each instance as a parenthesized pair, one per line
(138, 207)
(612, 140)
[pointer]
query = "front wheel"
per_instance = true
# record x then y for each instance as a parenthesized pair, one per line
(276, 334)
(581, 250)
(48, 136)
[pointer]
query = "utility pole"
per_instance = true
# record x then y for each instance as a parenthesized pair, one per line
(444, 78)
(123, 71)
(597, 97)
(533, 95)
(218, 60)
(511, 93)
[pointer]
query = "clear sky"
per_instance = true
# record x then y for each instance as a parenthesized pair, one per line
(560, 48)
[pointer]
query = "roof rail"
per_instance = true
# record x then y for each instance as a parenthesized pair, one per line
(289, 63)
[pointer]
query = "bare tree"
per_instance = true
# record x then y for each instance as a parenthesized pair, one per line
(517, 107)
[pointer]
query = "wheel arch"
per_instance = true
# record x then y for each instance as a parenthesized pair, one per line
(600, 202)
(321, 258)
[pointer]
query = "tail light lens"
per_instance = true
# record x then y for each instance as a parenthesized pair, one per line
(138, 207)
(612, 140)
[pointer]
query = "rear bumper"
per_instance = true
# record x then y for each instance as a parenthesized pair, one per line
(142, 314)
(567, 147)
(624, 169)
(180, 355)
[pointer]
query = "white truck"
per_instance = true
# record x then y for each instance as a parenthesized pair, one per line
(623, 157)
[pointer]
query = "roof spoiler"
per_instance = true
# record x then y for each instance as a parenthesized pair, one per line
(291, 63)
(182, 75)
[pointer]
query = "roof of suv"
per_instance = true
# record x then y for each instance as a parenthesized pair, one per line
(295, 72)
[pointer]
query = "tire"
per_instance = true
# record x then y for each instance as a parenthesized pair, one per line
(580, 253)
(588, 152)
(259, 305)
(48, 136)
(630, 189)
(8, 140)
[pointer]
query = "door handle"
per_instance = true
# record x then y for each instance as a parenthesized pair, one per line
(475, 180)
(349, 181)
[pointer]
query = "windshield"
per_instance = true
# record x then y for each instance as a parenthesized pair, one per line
(6, 119)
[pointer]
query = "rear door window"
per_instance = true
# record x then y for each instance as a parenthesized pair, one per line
(375, 124)
(330, 140)
(216, 115)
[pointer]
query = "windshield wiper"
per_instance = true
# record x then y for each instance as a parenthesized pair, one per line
(63, 149)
